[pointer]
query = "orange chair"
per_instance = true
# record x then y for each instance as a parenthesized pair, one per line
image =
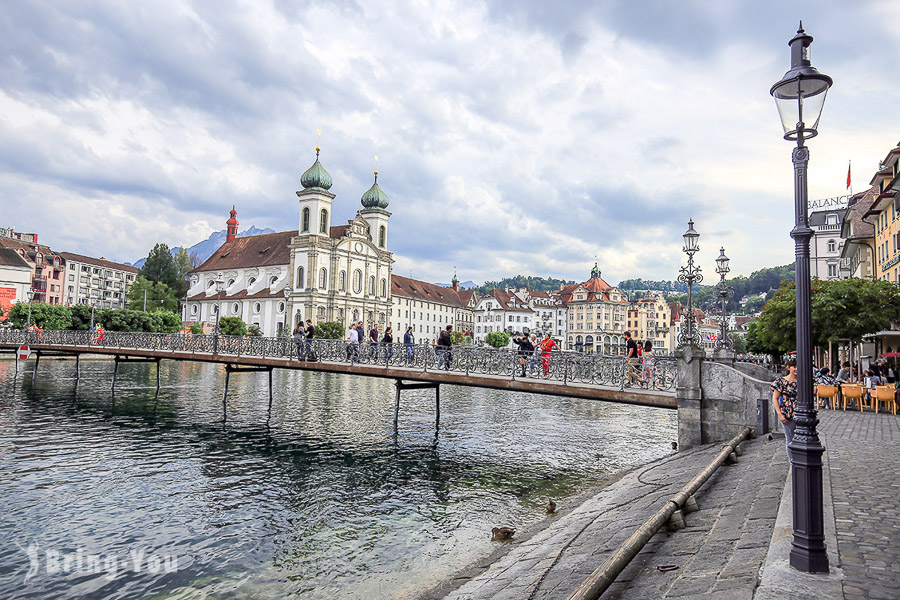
(885, 393)
(853, 392)
(827, 392)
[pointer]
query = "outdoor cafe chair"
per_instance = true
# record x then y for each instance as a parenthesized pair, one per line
(827, 392)
(852, 392)
(885, 393)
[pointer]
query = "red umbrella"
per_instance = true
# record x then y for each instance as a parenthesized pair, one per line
(889, 355)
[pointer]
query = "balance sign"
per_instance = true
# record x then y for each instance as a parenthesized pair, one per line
(24, 352)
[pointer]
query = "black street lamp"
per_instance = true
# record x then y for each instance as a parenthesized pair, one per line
(220, 287)
(725, 292)
(690, 274)
(30, 294)
(800, 96)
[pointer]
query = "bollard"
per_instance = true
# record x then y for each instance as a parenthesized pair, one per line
(762, 416)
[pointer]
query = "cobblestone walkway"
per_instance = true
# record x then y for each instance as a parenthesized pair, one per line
(864, 454)
(718, 554)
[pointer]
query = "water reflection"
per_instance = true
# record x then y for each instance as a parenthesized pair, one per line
(314, 498)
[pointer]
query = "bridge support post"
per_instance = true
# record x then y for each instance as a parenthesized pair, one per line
(688, 390)
(77, 367)
(157, 375)
(115, 371)
(418, 386)
(37, 361)
(270, 388)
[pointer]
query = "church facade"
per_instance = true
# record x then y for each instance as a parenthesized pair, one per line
(320, 272)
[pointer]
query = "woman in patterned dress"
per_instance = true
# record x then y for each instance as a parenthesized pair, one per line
(784, 399)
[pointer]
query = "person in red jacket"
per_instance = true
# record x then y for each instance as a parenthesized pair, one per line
(547, 345)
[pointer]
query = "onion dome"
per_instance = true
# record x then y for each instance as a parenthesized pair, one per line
(375, 196)
(316, 176)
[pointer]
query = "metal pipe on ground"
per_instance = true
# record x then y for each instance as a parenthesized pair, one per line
(604, 575)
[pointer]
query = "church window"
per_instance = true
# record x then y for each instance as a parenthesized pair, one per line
(382, 234)
(323, 221)
(357, 281)
(372, 285)
(343, 281)
(323, 278)
(273, 280)
(235, 308)
(383, 287)
(304, 221)
(281, 307)
(301, 283)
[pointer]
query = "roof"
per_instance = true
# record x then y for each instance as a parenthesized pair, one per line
(26, 246)
(506, 301)
(252, 251)
(422, 290)
(100, 262)
(819, 217)
(241, 295)
(10, 258)
(337, 231)
(465, 296)
(598, 291)
(854, 227)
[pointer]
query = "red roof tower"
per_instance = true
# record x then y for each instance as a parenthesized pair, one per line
(232, 223)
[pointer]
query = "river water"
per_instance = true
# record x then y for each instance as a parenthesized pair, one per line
(126, 496)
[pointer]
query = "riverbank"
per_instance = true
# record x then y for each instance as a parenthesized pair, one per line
(737, 545)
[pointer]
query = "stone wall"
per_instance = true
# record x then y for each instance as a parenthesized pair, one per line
(729, 401)
(715, 400)
(755, 371)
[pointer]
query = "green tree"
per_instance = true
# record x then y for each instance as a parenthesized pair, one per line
(254, 331)
(740, 342)
(232, 326)
(46, 316)
(158, 295)
(458, 338)
(754, 304)
(329, 330)
(160, 266)
(196, 328)
(183, 265)
(497, 339)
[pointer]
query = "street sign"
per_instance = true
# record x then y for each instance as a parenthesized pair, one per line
(24, 352)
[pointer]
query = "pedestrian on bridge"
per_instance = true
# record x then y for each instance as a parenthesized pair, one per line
(310, 334)
(388, 342)
(373, 341)
(444, 348)
(298, 339)
(409, 341)
(352, 344)
(631, 359)
(547, 345)
(526, 349)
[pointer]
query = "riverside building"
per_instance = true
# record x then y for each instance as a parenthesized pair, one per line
(318, 271)
(97, 281)
(597, 314)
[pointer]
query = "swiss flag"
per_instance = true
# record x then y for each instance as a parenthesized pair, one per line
(848, 175)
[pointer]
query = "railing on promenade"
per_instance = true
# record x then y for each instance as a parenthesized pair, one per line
(657, 373)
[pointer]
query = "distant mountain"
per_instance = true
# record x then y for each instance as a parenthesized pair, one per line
(206, 248)
(464, 285)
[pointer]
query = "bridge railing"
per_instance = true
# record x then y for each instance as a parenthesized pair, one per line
(562, 367)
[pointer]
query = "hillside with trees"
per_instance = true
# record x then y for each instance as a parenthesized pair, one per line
(765, 281)
(538, 284)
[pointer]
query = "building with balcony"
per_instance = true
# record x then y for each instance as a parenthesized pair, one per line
(858, 233)
(884, 214)
(826, 244)
(46, 266)
(549, 313)
(96, 281)
(648, 320)
(499, 310)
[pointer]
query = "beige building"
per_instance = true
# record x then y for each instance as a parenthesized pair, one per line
(427, 308)
(596, 316)
(649, 319)
(96, 281)
(858, 233)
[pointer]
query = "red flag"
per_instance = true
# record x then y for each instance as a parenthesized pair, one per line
(848, 174)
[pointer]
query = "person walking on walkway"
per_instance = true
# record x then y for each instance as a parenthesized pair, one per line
(784, 400)
(409, 341)
(444, 345)
(352, 344)
(547, 345)
(631, 359)
(526, 349)
(373, 341)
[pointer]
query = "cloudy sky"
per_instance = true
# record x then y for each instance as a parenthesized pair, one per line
(513, 137)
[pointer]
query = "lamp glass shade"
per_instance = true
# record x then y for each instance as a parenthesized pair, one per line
(801, 100)
(691, 238)
(722, 262)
